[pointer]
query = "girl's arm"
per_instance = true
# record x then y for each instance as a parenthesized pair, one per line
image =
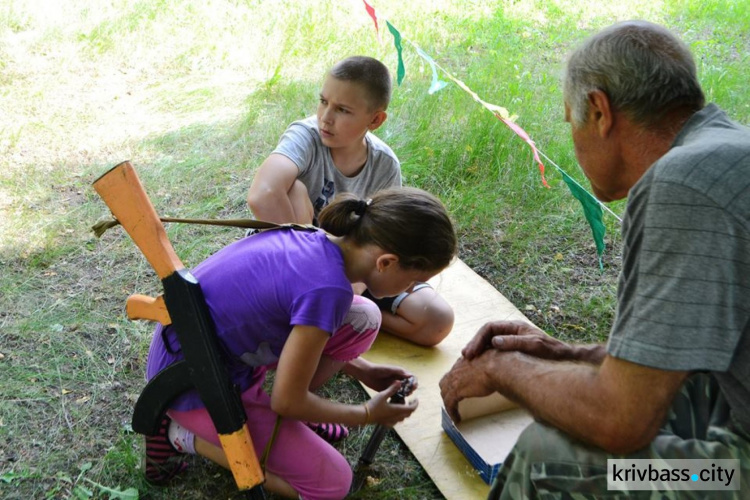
(375, 376)
(291, 396)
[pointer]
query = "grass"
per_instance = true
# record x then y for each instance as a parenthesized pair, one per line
(196, 94)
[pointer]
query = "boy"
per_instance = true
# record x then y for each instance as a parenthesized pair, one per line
(333, 152)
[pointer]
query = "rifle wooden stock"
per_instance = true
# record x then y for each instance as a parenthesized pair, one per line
(122, 191)
(183, 305)
(144, 307)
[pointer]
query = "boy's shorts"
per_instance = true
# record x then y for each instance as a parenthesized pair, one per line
(391, 304)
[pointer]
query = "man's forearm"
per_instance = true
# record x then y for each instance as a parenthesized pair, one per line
(617, 405)
(589, 353)
(562, 394)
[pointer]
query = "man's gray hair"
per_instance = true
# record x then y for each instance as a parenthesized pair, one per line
(645, 70)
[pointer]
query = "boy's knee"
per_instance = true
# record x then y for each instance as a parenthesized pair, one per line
(441, 318)
(431, 316)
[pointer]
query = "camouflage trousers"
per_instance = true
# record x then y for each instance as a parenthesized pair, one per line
(548, 464)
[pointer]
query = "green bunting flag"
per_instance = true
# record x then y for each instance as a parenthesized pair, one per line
(591, 210)
(401, 72)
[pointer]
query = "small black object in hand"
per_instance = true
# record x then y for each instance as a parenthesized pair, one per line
(407, 387)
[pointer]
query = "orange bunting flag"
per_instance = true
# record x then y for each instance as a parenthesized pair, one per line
(523, 135)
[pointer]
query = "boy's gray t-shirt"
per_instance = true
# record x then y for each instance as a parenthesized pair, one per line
(684, 290)
(301, 143)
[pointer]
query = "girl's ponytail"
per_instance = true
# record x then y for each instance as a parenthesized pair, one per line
(408, 222)
(343, 214)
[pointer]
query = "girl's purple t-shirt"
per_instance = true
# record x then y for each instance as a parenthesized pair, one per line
(257, 289)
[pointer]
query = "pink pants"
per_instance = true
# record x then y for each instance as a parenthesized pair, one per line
(314, 468)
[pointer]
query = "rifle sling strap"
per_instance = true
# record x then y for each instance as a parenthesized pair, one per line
(100, 227)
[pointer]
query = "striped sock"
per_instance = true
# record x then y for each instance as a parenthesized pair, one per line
(162, 460)
(330, 432)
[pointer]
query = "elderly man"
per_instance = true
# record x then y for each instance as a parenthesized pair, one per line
(674, 379)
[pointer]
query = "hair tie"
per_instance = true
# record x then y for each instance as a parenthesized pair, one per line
(362, 206)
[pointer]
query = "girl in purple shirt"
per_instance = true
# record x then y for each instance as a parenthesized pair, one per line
(283, 300)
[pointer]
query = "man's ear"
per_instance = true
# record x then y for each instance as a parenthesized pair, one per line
(377, 120)
(386, 261)
(600, 112)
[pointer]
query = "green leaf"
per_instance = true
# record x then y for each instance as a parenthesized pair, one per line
(60, 475)
(9, 477)
(114, 493)
(82, 493)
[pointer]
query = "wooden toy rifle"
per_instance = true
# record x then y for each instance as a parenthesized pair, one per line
(183, 305)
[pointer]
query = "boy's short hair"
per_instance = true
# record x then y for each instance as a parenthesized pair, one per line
(371, 74)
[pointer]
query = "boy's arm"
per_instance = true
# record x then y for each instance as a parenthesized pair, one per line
(268, 196)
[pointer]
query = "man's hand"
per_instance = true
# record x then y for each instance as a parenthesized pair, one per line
(524, 337)
(468, 379)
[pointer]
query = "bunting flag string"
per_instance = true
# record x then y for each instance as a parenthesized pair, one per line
(592, 207)
(500, 112)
